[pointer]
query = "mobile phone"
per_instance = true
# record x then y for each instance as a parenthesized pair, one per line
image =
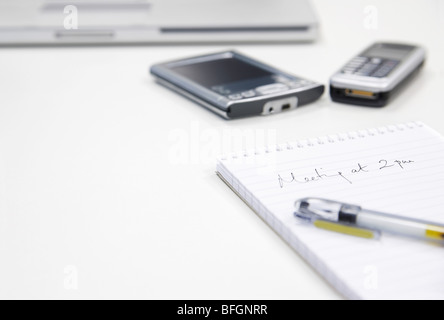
(377, 74)
(235, 86)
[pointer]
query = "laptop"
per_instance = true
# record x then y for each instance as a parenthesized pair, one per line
(37, 22)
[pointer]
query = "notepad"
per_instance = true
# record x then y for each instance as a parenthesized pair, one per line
(396, 169)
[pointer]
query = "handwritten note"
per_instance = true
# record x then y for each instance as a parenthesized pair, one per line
(319, 174)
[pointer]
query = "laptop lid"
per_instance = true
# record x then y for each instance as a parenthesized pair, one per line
(155, 21)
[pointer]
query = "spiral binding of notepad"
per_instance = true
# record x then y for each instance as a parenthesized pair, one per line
(335, 138)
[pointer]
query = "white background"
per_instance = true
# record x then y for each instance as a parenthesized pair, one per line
(107, 180)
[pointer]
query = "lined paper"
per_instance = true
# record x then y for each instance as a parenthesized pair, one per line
(396, 169)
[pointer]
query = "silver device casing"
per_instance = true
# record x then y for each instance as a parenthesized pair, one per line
(377, 85)
(43, 22)
(229, 109)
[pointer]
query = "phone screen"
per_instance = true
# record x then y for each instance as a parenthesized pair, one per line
(226, 76)
(390, 51)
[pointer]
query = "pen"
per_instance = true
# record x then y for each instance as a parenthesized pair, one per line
(354, 220)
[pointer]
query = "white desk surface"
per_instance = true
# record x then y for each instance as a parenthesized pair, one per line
(107, 180)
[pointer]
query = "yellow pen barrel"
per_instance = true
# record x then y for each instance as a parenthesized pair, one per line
(346, 229)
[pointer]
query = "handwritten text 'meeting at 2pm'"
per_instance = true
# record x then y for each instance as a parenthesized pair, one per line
(346, 175)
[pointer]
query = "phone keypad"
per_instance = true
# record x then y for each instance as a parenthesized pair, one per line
(370, 67)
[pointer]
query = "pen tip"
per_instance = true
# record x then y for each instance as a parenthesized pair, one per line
(301, 207)
(301, 204)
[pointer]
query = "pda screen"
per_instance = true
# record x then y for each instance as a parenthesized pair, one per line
(220, 72)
